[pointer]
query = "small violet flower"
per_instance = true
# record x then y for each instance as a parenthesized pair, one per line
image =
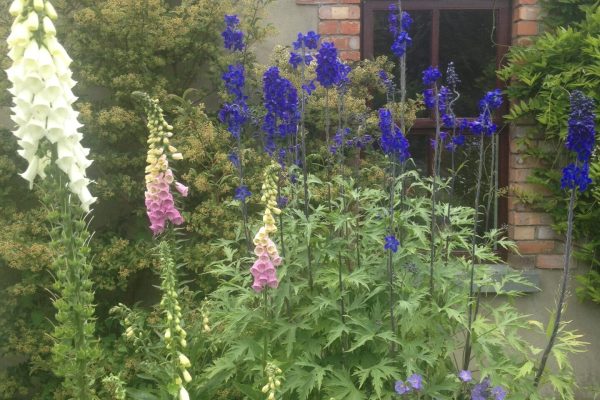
(415, 381)
(499, 393)
(401, 387)
(391, 243)
(242, 193)
(465, 376)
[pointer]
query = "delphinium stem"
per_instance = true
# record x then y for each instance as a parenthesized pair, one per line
(305, 170)
(243, 205)
(437, 151)
(390, 264)
(467, 354)
(492, 185)
(563, 291)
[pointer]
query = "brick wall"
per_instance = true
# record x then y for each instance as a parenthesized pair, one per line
(539, 245)
(339, 22)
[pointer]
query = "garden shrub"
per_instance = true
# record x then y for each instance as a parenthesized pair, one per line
(541, 76)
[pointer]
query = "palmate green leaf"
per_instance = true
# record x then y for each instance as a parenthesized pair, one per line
(138, 394)
(380, 373)
(339, 385)
(306, 377)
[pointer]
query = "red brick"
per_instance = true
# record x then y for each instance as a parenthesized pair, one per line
(528, 13)
(523, 41)
(550, 261)
(522, 2)
(521, 262)
(546, 233)
(523, 233)
(350, 55)
(339, 12)
(518, 175)
(350, 27)
(526, 28)
(515, 204)
(329, 27)
(350, 1)
(341, 43)
(536, 246)
(531, 218)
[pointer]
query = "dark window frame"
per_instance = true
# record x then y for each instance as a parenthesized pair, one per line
(424, 126)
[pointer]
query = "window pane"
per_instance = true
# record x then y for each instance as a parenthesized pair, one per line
(420, 145)
(418, 56)
(467, 38)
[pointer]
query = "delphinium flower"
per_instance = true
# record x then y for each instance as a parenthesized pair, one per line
(42, 88)
(233, 37)
(580, 140)
(330, 70)
(399, 26)
(484, 124)
(484, 391)
(393, 142)
(391, 243)
(263, 269)
(160, 203)
(305, 44)
(413, 382)
(465, 376)
(281, 102)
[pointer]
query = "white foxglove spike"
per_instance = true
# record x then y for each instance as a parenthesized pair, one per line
(41, 88)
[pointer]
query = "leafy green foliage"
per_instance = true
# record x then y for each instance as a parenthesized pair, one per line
(541, 77)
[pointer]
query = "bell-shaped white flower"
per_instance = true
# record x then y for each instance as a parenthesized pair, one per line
(33, 131)
(32, 171)
(183, 394)
(34, 82)
(85, 198)
(49, 28)
(31, 55)
(16, 8)
(45, 63)
(40, 107)
(58, 51)
(52, 89)
(19, 36)
(32, 22)
(50, 11)
(38, 5)
(61, 108)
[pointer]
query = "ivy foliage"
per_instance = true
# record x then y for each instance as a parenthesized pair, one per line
(541, 76)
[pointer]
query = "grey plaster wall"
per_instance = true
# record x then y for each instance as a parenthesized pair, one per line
(288, 18)
(584, 317)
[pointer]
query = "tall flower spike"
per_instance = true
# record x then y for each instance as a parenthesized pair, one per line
(160, 204)
(581, 140)
(263, 269)
(43, 98)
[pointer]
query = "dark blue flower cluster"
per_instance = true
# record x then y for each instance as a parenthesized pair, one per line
(484, 124)
(581, 140)
(341, 139)
(399, 26)
(281, 102)
(431, 76)
(582, 128)
(388, 83)
(393, 142)
(242, 193)
(235, 113)
(309, 41)
(413, 382)
(330, 70)
(233, 38)
(391, 243)
(483, 391)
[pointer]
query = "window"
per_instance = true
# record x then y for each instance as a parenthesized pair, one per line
(475, 35)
